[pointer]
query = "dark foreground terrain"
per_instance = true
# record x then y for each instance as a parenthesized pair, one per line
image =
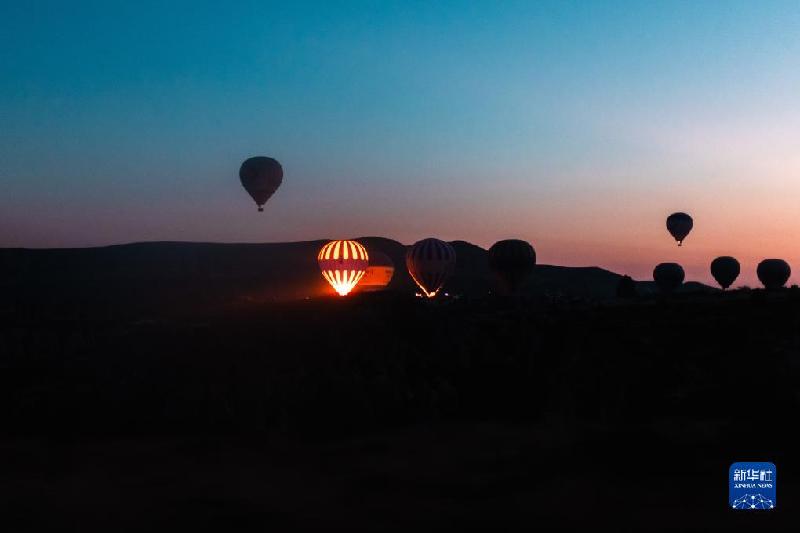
(384, 412)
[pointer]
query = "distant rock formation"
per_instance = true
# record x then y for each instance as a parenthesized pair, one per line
(167, 275)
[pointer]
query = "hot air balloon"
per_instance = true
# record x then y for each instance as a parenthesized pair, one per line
(379, 272)
(261, 176)
(773, 273)
(430, 262)
(668, 276)
(343, 264)
(679, 225)
(725, 270)
(513, 261)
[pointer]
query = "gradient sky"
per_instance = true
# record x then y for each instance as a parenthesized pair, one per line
(576, 125)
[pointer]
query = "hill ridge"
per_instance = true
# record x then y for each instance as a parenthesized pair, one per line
(163, 274)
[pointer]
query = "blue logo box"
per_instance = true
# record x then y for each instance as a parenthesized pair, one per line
(752, 486)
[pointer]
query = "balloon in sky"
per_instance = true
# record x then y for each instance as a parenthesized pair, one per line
(668, 276)
(513, 261)
(379, 272)
(725, 270)
(261, 176)
(343, 264)
(773, 273)
(679, 225)
(430, 262)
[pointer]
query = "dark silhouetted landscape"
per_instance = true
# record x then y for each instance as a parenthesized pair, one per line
(223, 387)
(613, 346)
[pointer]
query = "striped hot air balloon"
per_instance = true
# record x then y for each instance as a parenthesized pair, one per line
(430, 262)
(513, 261)
(343, 264)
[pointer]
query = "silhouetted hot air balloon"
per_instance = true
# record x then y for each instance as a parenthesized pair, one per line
(773, 273)
(668, 276)
(343, 264)
(379, 272)
(430, 262)
(261, 176)
(725, 270)
(679, 225)
(513, 261)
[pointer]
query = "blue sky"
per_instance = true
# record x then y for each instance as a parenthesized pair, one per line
(576, 125)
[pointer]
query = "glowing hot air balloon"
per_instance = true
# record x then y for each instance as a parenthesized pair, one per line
(679, 225)
(379, 273)
(430, 262)
(343, 264)
(261, 176)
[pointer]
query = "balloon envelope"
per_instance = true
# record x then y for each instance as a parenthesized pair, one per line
(513, 261)
(261, 176)
(343, 264)
(430, 262)
(379, 272)
(679, 225)
(725, 270)
(668, 276)
(773, 273)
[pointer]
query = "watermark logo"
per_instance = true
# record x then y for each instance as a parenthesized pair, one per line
(752, 486)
